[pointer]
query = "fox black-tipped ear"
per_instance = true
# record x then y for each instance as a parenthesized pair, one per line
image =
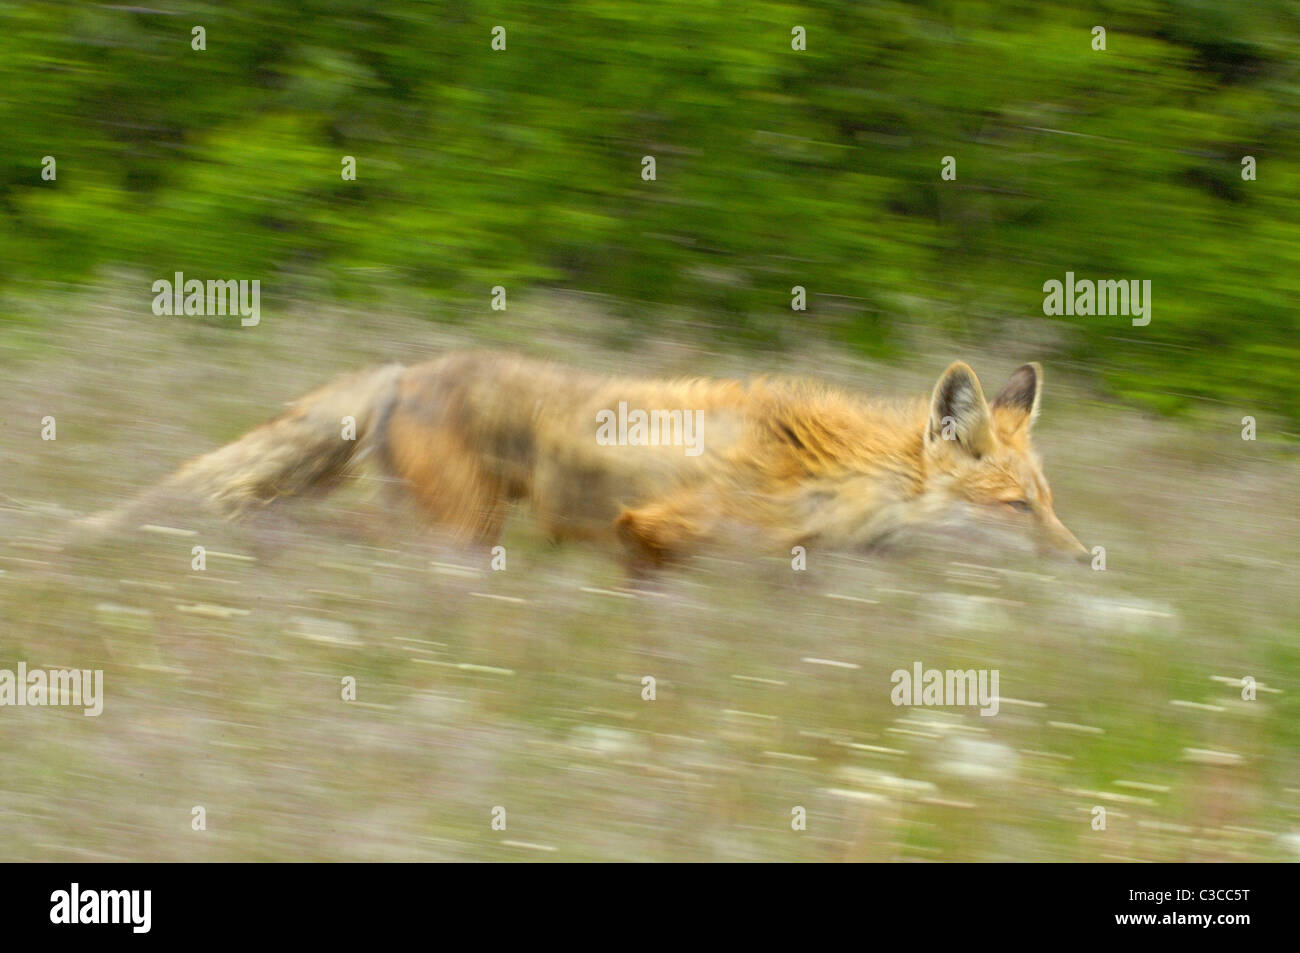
(1019, 400)
(959, 413)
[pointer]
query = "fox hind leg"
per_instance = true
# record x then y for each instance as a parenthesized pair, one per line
(449, 485)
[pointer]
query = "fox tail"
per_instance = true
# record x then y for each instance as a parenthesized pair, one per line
(309, 447)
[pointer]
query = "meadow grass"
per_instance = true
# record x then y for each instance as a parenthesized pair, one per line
(523, 689)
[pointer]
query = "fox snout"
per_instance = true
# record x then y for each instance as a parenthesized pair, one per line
(1057, 541)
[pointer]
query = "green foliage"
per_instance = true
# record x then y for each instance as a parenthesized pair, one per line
(775, 168)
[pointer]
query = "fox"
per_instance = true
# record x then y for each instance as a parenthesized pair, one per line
(795, 462)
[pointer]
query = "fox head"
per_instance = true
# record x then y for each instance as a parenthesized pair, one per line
(979, 460)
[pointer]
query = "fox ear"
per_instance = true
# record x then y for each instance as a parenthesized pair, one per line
(1017, 404)
(959, 413)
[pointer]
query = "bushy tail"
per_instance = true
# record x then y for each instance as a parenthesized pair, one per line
(306, 448)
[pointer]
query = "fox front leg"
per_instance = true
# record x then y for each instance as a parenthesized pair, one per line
(659, 534)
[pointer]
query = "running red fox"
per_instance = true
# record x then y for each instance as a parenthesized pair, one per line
(666, 467)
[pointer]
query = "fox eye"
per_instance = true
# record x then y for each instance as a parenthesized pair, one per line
(1020, 506)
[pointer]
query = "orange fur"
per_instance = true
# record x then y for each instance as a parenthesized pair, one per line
(799, 463)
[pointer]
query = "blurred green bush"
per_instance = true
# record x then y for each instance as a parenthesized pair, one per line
(775, 168)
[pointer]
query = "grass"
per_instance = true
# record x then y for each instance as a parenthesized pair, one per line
(522, 689)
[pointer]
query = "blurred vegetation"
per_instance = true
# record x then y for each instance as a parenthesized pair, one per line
(775, 168)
